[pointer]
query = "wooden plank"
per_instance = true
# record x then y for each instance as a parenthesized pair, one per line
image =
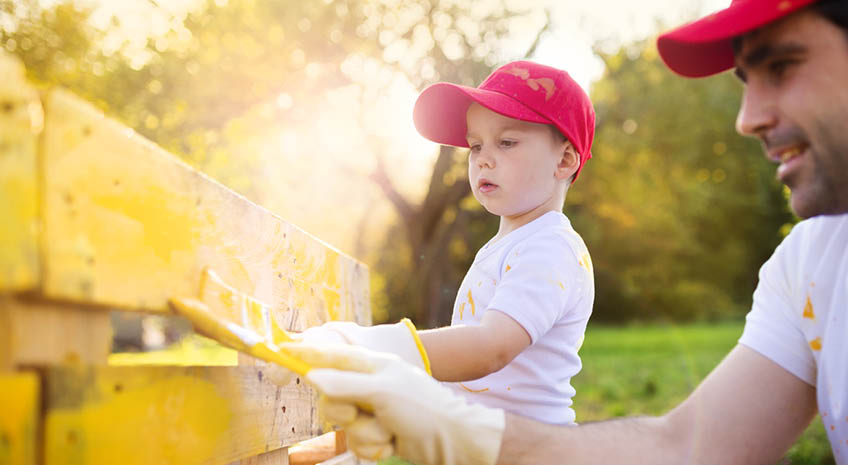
(42, 333)
(313, 451)
(156, 415)
(346, 459)
(21, 120)
(276, 457)
(129, 225)
(19, 420)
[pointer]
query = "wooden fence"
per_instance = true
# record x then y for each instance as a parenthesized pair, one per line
(95, 219)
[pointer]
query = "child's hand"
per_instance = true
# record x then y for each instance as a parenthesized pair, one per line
(400, 339)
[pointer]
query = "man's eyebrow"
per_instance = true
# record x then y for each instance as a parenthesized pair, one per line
(766, 51)
(762, 53)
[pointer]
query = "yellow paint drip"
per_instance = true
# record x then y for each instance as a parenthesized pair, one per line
(461, 309)
(471, 301)
(508, 268)
(168, 421)
(816, 344)
(808, 310)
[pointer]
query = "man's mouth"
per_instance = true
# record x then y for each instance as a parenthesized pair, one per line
(788, 153)
(788, 156)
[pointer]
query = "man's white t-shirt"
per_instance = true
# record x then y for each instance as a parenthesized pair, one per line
(799, 318)
(540, 275)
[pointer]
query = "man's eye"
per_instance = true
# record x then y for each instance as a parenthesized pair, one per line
(778, 68)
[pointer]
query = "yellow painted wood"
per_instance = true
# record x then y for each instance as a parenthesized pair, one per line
(19, 404)
(20, 122)
(129, 225)
(170, 415)
(234, 336)
(40, 333)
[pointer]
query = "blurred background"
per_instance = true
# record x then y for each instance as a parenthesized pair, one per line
(305, 107)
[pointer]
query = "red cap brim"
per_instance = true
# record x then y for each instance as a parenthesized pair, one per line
(704, 47)
(439, 112)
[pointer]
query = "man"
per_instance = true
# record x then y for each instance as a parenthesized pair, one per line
(792, 359)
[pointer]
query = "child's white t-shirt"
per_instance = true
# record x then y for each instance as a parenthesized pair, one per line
(540, 275)
(799, 318)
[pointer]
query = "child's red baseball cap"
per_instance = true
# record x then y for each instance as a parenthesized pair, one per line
(705, 46)
(522, 90)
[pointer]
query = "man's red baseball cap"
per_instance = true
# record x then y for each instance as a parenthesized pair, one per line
(522, 90)
(704, 47)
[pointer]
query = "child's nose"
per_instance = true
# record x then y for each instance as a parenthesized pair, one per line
(485, 159)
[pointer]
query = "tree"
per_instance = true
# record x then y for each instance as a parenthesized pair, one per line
(678, 210)
(206, 91)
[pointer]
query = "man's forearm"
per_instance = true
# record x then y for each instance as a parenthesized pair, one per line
(642, 440)
(748, 411)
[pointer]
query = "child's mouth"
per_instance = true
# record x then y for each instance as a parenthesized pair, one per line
(486, 187)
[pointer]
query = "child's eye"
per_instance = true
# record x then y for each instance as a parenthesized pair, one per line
(474, 147)
(506, 143)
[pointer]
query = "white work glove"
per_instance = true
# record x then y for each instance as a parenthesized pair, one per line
(387, 406)
(400, 339)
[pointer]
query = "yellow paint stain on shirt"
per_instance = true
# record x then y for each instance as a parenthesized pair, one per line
(473, 390)
(471, 301)
(561, 286)
(461, 309)
(816, 344)
(808, 310)
(586, 262)
(507, 268)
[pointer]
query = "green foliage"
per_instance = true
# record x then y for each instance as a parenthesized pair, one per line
(678, 210)
(648, 370)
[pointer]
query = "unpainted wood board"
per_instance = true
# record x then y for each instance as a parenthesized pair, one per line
(37, 333)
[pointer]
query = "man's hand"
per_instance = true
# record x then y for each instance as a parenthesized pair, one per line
(388, 406)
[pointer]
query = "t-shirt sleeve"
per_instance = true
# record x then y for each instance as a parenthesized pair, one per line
(772, 327)
(540, 281)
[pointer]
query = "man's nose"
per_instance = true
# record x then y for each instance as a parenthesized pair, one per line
(757, 113)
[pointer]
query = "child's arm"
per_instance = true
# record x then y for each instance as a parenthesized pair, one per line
(463, 353)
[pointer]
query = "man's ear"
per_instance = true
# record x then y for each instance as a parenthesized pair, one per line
(568, 163)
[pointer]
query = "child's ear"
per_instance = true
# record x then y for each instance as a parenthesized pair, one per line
(569, 161)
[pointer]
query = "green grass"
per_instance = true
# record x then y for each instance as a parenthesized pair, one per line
(647, 370)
